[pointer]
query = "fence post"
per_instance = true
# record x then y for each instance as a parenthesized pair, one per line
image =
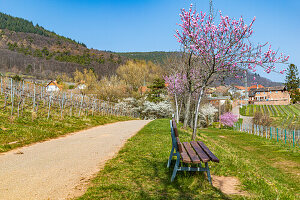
(285, 135)
(277, 134)
(71, 104)
(255, 129)
(266, 132)
(271, 132)
(1, 86)
(50, 98)
(293, 137)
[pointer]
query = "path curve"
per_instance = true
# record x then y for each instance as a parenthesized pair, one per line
(58, 168)
(246, 120)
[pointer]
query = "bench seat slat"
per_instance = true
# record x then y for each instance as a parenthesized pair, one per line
(203, 156)
(185, 157)
(208, 152)
(191, 152)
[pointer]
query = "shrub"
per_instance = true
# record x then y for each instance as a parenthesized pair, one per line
(262, 119)
(146, 109)
(151, 110)
(243, 110)
(216, 125)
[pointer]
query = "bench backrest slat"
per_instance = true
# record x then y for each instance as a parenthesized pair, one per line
(175, 128)
(174, 140)
(179, 145)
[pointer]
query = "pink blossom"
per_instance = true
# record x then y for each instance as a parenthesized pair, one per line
(228, 119)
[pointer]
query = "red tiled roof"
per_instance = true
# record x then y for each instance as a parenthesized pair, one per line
(54, 83)
(255, 87)
(239, 87)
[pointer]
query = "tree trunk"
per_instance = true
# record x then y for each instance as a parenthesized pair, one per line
(187, 111)
(196, 114)
(177, 111)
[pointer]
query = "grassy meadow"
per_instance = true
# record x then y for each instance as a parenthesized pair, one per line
(266, 169)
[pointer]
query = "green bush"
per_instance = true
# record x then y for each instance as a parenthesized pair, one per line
(243, 110)
(216, 125)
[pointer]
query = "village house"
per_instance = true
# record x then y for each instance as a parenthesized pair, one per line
(241, 89)
(269, 96)
(81, 86)
(217, 101)
(209, 91)
(237, 89)
(52, 86)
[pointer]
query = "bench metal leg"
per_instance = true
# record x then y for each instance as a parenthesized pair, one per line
(208, 173)
(175, 168)
(170, 157)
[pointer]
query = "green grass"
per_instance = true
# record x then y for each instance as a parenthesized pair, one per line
(266, 169)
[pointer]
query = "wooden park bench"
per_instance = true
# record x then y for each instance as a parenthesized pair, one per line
(193, 152)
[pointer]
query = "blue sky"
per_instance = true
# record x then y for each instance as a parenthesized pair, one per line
(144, 25)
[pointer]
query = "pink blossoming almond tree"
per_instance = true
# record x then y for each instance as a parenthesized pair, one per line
(175, 86)
(216, 48)
(228, 119)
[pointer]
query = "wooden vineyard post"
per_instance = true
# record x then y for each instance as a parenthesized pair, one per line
(50, 98)
(93, 107)
(256, 132)
(20, 101)
(71, 104)
(41, 91)
(293, 137)
(99, 107)
(1, 86)
(33, 97)
(62, 105)
(271, 133)
(19, 108)
(80, 105)
(11, 96)
(277, 134)
(23, 101)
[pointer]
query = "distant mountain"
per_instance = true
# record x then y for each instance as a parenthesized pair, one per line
(30, 49)
(258, 80)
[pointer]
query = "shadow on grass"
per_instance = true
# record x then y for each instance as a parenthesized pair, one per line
(187, 185)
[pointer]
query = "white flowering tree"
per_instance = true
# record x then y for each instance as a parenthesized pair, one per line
(208, 111)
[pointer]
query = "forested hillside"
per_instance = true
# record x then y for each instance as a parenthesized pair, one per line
(21, 25)
(155, 56)
(30, 49)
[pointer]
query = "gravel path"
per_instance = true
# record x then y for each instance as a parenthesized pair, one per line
(246, 120)
(61, 168)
